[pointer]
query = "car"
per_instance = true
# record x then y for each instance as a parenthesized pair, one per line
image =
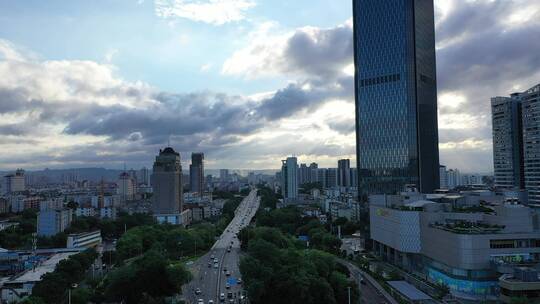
(222, 297)
(229, 250)
(216, 260)
(209, 264)
(227, 286)
(239, 281)
(198, 291)
(231, 301)
(228, 273)
(210, 301)
(216, 265)
(200, 301)
(229, 294)
(212, 256)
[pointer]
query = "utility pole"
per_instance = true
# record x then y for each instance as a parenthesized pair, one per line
(349, 292)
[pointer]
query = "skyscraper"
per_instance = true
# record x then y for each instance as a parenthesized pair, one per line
(507, 142)
(289, 178)
(443, 177)
(167, 182)
(344, 173)
(396, 95)
(531, 142)
(196, 173)
(516, 141)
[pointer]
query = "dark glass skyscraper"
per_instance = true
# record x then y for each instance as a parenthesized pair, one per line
(396, 95)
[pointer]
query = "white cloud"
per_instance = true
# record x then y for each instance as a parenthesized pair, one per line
(216, 12)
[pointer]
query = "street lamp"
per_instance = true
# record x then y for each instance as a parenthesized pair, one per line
(73, 286)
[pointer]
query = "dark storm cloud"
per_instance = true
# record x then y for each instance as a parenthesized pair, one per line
(344, 127)
(488, 56)
(320, 53)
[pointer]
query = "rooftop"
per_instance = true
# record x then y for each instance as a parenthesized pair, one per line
(47, 266)
(409, 291)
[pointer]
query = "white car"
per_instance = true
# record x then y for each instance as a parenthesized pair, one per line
(200, 301)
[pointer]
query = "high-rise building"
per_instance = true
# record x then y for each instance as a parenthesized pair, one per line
(443, 177)
(454, 178)
(289, 178)
(396, 95)
(167, 182)
(144, 176)
(331, 178)
(223, 175)
(14, 182)
(196, 173)
(344, 173)
(516, 142)
(126, 187)
(313, 172)
(304, 174)
(531, 142)
(507, 142)
(321, 177)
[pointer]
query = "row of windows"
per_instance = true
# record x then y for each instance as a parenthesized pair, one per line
(379, 80)
(523, 243)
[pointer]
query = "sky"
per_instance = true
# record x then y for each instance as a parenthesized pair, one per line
(247, 82)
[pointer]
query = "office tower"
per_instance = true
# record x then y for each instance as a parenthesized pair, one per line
(531, 142)
(331, 178)
(167, 182)
(344, 173)
(53, 221)
(443, 177)
(289, 179)
(196, 173)
(144, 176)
(516, 141)
(126, 187)
(396, 95)
(223, 175)
(507, 142)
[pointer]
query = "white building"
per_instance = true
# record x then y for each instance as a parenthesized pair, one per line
(14, 182)
(126, 187)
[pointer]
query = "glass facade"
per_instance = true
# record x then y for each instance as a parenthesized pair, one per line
(396, 95)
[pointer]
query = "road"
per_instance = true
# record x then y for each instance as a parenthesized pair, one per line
(211, 278)
(369, 292)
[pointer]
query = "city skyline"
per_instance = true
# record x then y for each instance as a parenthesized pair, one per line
(64, 100)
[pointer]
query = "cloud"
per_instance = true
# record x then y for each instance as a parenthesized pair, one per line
(75, 112)
(306, 52)
(216, 12)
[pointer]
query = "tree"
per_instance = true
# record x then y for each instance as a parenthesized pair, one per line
(150, 275)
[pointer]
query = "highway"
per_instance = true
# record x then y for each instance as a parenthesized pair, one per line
(214, 279)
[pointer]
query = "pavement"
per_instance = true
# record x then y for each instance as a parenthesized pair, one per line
(211, 278)
(371, 291)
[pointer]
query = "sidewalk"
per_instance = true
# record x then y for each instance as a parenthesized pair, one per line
(353, 268)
